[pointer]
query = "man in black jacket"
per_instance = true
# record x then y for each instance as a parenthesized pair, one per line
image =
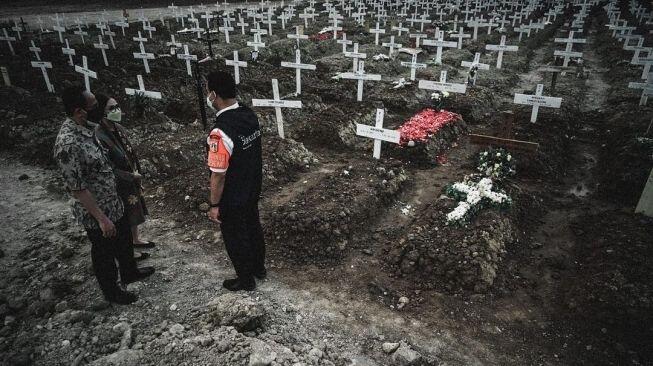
(235, 161)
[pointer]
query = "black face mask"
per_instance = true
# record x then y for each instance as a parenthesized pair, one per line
(95, 115)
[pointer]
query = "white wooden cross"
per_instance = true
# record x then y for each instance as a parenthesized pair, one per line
(111, 34)
(474, 24)
(306, 15)
(17, 28)
(637, 50)
(439, 43)
(277, 104)
(226, 29)
(144, 56)
(376, 32)
(361, 76)
(400, 30)
(123, 23)
(269, 21)
(442, 85)
(460, 35)
(237, 65)
(70, 52)
(188, 58)
(417, 37)
(646, 62)
(242, 24)
(140, 39)
(9, 39)
(335, 18)
(414, 65)
(647, 88)
(141, 90)
(208, 16)
(299, 34)
(424, 18)
(84, 70)
(537, 101)
(43, 66)
(568, 53)
(391, 45)
(80, 32)
(257, 42)
(476, 63)
(298, 66)
(149, 28)
(58, 28)
(102, 47)
(521, 30)
(36, 50)
(501, 48)
(378, 133)
(173, 44)
(356, 56)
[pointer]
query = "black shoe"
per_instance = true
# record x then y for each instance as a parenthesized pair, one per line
(140, 274)
(148, 245)
(261, 275)
(237, 284)
(141, 256)
(122, 297)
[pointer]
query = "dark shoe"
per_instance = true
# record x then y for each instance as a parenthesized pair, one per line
(237, 284)
(141, 256)
(140, 274)
(148, 245)
(261, 275)
(122, 297)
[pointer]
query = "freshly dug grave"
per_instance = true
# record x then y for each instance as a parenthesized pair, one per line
(451, 258)
(318, 225)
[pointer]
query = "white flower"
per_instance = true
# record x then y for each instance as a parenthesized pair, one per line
(509, 157)
(498, 155)
(435, 96)
(459, 212)
(445, 94)
(380, 56)
(473, 197)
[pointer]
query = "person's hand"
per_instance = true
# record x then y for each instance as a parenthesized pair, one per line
(107, 227)
(214, 214)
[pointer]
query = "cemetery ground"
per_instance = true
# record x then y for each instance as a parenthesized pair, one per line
(359, 252)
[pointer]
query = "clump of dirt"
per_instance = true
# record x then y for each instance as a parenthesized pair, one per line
(613, 284)
(317, 226)
(450, 258)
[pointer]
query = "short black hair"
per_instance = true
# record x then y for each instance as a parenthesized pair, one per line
(73, 99)
(222, 83)
(102, 100)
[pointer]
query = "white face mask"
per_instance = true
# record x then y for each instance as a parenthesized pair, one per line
(114, 115)
(209, 102)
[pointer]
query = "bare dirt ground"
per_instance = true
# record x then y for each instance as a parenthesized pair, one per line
(573, 280)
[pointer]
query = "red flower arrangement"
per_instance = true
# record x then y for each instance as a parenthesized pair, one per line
(425, 124)
(324, 36)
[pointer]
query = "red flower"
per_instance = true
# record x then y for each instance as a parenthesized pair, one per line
(324, 36)
(425, 124)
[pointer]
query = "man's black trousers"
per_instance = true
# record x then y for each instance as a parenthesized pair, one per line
(243, 238)
(106, 251)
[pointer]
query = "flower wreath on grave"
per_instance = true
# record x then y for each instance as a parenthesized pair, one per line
(426, 123)
(473, 194)
(324, 35)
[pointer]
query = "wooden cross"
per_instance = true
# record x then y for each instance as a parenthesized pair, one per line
(141, 90)
(391, 45)
(226, 29)
(442, 85)
(299, 34)
(43, 66)
(537, 101)
(460, 35)
(242, 24)
(140, 39)
(70, 52)
(505, 139)
(376, 32)
(475, 64)
(413, 66)
(298, 66)
(567, 53)
(144, 56)
(417, 37)
(501, 48)
(361, 76)
(188, 58)
(84, 70)
(149, 28)
(173, 44)
(647, 88)
(277, 104)
(80, 32)
(378, 133)
(400, 30)
(356, 56)
(237, 65)
(102, 47)
(58, 28)
(269, 22)
(123, 23)
(111, 34)
(16, 28)
(646, 62)
(257, 42)
(439, 43)
(36, 50)
(8, 39)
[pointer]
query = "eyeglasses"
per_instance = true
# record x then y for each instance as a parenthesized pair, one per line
(114, 107)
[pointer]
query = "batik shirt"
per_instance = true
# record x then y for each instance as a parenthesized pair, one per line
(84, 165)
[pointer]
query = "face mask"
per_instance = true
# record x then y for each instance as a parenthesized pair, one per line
(114, 115)
(209, 102)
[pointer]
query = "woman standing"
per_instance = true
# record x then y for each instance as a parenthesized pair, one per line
(113, 136)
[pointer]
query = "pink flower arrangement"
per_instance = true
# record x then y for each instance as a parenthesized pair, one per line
(324, 36)
(425, 124)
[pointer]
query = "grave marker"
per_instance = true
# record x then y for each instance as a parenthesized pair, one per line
(391, 45)
(188, 58)
(237, 65)
(8, 39)
(36, 50)
(173, 44)
(378, 133)
(356, 56)
(70, 52)
(475, 64)
(442, 85)
(460, 35)
(102, 47)
(413, 66)
(144, 56)
(141, 90)
(277, 104)
(647, 88)
(376, 32)
(501, 48)
(298, 66)
(43, 66)
(537, 101)
(84, 70)
(439, 43)
(361, 76)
